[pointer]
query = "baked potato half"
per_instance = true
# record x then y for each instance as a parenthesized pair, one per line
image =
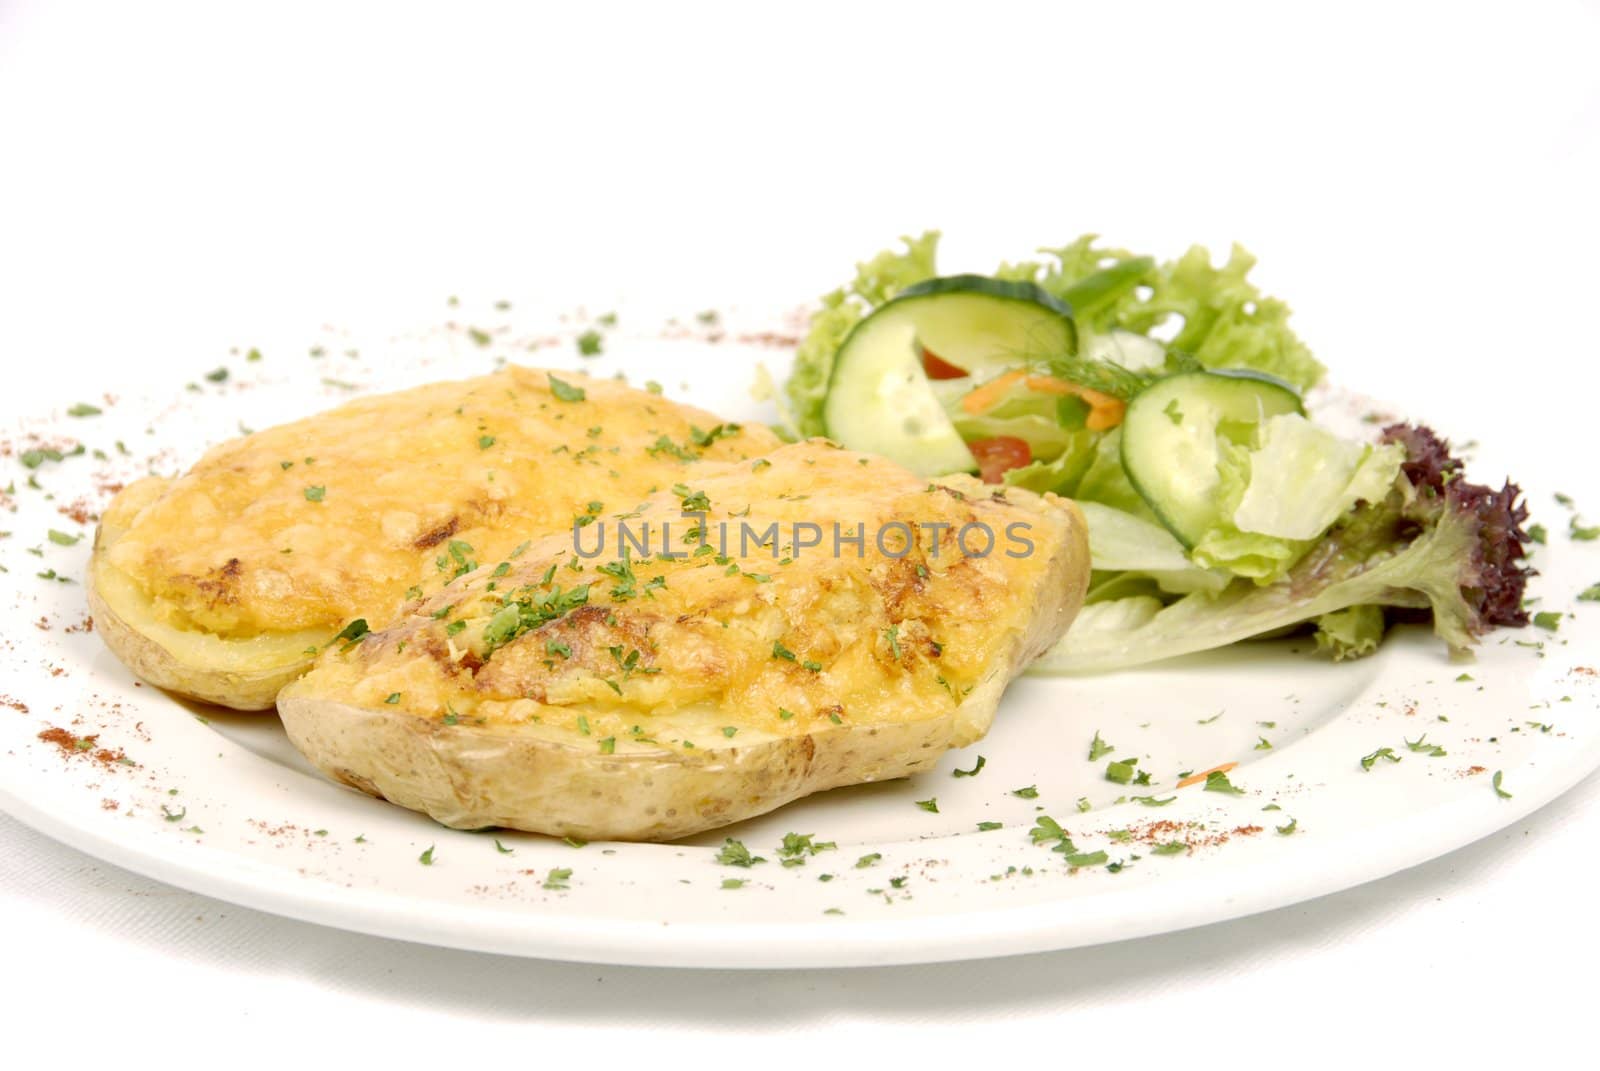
(224, 583)
(598, 688)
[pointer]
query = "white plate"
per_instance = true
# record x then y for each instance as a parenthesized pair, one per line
(219, 803)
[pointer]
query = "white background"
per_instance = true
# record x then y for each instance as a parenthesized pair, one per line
(1419, 182)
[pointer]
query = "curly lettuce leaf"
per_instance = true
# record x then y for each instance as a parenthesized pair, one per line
(1353, 632)
(1226, 321)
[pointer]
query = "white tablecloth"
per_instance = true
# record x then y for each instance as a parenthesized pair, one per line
(1420, 183)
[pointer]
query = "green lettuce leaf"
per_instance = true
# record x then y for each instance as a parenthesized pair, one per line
(1354, 632)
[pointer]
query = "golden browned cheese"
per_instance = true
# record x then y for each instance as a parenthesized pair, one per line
(767, 639)
(307, 526)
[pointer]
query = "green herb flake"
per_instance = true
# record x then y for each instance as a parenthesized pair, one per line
(1120, 772)
(608, 746)
(63, 539)
(590, 343)
(1077, 859)
(931, 805)
(83, 409)
(1217, 781)
(315, 493)
(977, 766)
(1387, 753)
(734, 853)
(394, 697)
(1288, 830)
(565, 391)
(1171, 847)
(557, 879)
(1152, 801)
(733, 883)
(1098, 748)
(868, 860)
(984, 827)
(1421, 746)
(1549, 620)
(1029, 793)
(426, 858)
(1498, 791)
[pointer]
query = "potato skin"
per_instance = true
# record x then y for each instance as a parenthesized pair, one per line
(468, 777)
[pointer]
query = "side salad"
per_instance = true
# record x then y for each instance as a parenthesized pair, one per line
(1167, 400)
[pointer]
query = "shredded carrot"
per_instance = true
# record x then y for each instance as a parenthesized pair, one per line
(1105, 412)
(1195, 779)
(988, 396)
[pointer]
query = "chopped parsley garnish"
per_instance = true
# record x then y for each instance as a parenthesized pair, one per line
(1284, 831)
(1549, 620)
(426, 858)
(1086, 858)
(565, 391)
(1098, 748)
(536, 609)
(315, 493)
(501, 848)
(218, 375)
(972, 772)
(63, 539)
(1217, 781)
(394, 697)
(1421, 746)
(608, 746)
(734, 853)
(733, 883)
(174, 816)
(729, 731)
(1263, 744)
(1151, 801)
(1367, 761)
(931, 805)
(797, 847)
(868, 860)
(693, 501)
(352, 632)
(1583, 533)
(1121, 772)
(557, 878)
(83, 409)
(1590, 594)
(485, 441)
(590, 343)
(1498, 791)
(780, 651)
(984, 827)
(1029, 793)
(1171, 847)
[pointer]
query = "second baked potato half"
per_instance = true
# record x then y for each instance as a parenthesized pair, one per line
(223, 584)
(651, 692)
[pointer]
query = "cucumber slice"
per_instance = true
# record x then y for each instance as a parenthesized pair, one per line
(879, 399)
(1171, 440)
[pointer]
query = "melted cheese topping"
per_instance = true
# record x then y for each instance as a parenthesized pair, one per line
(772, 639)
(312, 524)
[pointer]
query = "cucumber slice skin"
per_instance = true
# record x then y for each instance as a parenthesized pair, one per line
(879, 398)
(1170, 433)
